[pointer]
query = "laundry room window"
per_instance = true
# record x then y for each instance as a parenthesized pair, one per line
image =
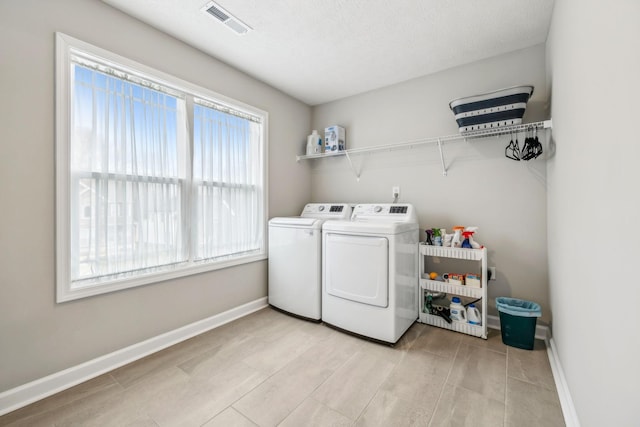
(156, 178)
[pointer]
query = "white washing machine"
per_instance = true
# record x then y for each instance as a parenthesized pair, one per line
(370, 271)
(295, 265)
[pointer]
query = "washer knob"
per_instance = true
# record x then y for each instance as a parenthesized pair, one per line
(321, 208)
(377, 209)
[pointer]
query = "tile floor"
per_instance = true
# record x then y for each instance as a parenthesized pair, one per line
(270, 369)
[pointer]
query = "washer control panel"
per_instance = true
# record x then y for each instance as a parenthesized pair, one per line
(327, 210)
(384, 212)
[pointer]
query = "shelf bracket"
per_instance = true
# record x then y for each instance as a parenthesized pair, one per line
(444, 168)
(353, 169)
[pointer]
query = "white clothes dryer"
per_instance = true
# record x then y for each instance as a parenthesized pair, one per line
(295, 265)
(370, 271)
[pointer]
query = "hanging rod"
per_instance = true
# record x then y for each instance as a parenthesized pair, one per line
(546, 124)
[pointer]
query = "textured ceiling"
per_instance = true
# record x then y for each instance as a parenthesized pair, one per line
(322, 50)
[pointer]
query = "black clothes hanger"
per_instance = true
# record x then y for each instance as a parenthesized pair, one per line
(537, 145)
(531, 149)
(532, 146)
(528, 149)
(512, 151)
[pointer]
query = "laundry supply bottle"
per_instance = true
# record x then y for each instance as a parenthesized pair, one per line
(457, 311)
(315, 141)
(473, 315)
(311, 148)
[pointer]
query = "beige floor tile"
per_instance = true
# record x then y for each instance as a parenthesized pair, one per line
(40, 419)
(351, 387)
(229, 418)
(60, 399)
(105, 407)
(312, 413)
(382, 351)
(493, 341)
(418, 379)
(387, 409)
(461, 407)
(193, 400)
(169, 357)
(273, 400)
(267, 324)
(276, 354)
(302, 373)
(409, 338)
(112, 418)
(333, 351)
(438, 341)
(255, 319)
(219, 335)
(130, 406)
(531, 365)
(216, 359)
(157, 394)
(481, 370)
(532, 405)
(319, 331)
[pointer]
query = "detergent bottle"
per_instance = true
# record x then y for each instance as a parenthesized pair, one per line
(457, 311)
(473, 315)
(310, 147)
(315, 141)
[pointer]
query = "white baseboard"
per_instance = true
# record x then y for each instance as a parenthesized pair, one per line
(566, 403)
(33, 391)
(542, 331)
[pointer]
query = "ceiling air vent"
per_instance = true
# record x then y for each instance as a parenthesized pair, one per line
(226, 18)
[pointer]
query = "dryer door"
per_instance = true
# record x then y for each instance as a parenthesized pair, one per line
(357, 268)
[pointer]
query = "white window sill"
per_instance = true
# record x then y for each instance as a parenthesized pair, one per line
(70, 293)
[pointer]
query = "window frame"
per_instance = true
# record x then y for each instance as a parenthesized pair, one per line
(65, 46)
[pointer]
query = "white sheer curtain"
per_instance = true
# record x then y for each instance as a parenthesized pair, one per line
(128, 176)
(227, 182)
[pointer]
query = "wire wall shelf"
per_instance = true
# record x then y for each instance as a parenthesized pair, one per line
(483, 133)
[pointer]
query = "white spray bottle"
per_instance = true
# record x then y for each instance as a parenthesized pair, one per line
(474, 244)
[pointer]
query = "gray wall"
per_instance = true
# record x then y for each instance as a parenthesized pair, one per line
(593, 210)
(37, 336)
(504, 198)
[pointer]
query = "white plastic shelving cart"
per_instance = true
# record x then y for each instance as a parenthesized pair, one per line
(426, 285)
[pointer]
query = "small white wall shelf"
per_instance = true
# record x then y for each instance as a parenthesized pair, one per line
(495, 131)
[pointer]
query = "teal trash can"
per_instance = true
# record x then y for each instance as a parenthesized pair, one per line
(518, 321)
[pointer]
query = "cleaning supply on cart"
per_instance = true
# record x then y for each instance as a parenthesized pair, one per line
(457, 236)
(437, 304)
(468, 238)
(472, 244)
(429, 239)
(437, 236)
(457, 310)
(473, 315)
(472, 280)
